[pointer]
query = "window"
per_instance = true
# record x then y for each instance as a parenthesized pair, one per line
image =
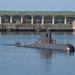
(46, 35)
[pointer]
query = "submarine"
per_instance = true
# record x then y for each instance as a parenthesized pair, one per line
(46, 42)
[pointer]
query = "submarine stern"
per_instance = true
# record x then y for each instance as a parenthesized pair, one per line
(70, 48)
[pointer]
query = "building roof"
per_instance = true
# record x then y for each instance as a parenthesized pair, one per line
(33, 11)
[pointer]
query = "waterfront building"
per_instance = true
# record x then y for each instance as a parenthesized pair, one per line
(39, 19)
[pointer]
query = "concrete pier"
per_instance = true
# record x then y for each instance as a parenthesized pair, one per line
(54, 28)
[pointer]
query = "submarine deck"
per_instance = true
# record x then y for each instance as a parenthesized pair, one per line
(53, 46)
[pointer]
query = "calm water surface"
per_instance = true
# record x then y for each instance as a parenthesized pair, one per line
(28, 61)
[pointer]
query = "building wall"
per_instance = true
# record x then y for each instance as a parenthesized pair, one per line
(37, 17)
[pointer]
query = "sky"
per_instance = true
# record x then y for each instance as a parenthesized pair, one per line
(37, 5)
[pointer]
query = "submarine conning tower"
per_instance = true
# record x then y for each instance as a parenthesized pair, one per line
(46, 37)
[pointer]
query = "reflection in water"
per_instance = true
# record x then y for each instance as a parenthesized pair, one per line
(70, 53)
(63, 33)
(45, 54)
(55, 33)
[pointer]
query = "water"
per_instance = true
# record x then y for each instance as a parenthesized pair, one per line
(29, 61)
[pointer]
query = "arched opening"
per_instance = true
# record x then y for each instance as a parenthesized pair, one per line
(70, 20)
(27, 19)
(59, 20)
(16, 19)
(47, 20)
(37, 20)
(5, 19)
